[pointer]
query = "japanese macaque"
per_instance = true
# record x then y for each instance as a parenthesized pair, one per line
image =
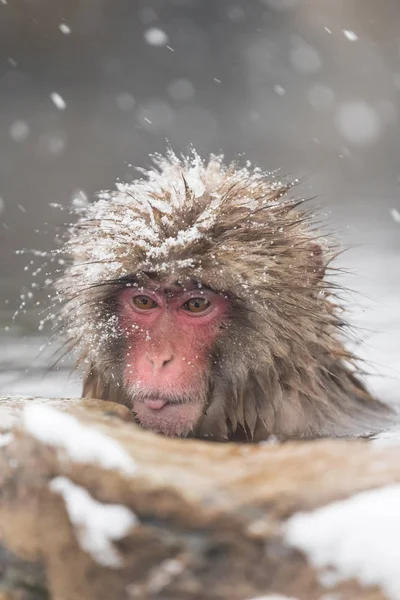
(197, 297)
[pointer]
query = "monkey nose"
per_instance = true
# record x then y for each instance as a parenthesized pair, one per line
(160, 361)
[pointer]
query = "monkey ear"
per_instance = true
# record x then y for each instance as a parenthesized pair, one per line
(316, 266)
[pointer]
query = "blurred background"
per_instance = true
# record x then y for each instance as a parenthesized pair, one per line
(88, 88)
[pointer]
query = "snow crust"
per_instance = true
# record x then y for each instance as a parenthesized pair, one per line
(81, 443)
(97, 524)
(358, 538)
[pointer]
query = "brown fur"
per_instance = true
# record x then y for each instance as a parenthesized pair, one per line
(280, 366)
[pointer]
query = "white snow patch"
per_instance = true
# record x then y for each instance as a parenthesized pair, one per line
(98, 525)
(358, 123)
(353, 37)
(82, 444)
(64, 28)
(19, 131)
(358, 537)
(156, 36)
(58, 100)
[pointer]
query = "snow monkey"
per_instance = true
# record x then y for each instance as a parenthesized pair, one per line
(196, 296)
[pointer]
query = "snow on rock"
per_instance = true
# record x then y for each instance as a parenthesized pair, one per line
(81, 443)
(156, 36)
(97, 524)
(358, 538)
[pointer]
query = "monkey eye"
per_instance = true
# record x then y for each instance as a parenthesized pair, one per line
(144, 302)
(196, 305)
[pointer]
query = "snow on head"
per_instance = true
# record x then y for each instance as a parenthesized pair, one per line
(97, 524)
(172, 222)
(357, 537)
(81, 443)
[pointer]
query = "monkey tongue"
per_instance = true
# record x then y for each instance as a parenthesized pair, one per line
(155, 403)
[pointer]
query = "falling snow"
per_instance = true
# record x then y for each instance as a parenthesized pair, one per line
(320, 96)
(19, 131)
(181, 89)
(395, 214)
(64, 28)
(58, 100)
(278, 89)
(353, 37)
(79, 198)
(358, 123)
(304, 57)
(156, 37)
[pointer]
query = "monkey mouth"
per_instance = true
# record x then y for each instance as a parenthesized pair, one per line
(158, 402)
(155, 403)
(173, 417)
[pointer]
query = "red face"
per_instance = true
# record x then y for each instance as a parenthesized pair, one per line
(170, 331)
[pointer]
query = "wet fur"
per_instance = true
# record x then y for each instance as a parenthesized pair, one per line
(280, 366)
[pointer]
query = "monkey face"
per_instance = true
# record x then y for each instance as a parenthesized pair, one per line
(169, 332)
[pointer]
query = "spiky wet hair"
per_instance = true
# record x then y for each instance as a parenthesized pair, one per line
(280, 365)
